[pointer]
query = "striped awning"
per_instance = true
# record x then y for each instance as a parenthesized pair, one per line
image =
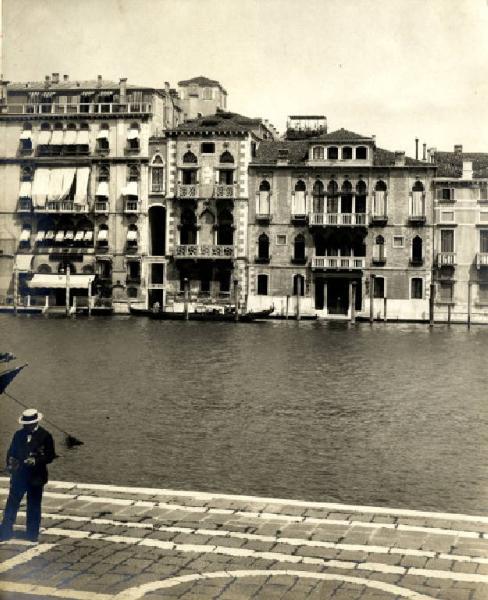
(102, 189)
(70, 137)
(25, 189)
(52, 280)
(133, 134)
(81, 192)
(102, 134)
(82, 139)
(23, 262)
(57, 137)
(130, 189)
(44, 137)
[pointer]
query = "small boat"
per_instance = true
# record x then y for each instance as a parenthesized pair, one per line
(140, 311)
(211, 315)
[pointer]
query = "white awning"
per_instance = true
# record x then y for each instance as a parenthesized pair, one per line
(130, 189)
(102, 235)
(82, 139)
(133, 134)
(55, 187)
(88, 236)
(57, 137)
(59, 236)
(69, 235)
(102, 189)
(25, 235)
(40, 187)
(49, 235)
(79, 236)
(26, 134)
(67, 182)
(52, 280)
(40, 236)
(70, 137)
(23, 262)
(102, 134)
(25, 189)
(44, 137)
(81, 192)
(132, 236)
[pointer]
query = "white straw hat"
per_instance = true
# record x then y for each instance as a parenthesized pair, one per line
(29, 416)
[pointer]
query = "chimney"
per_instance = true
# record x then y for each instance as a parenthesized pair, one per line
(458, 148)
(431, 154)
(99, 81)
(424, 153)
(123, 89)
(55, 77)
(47, 81)
(166, 86)
(3, 91)
(65, 77)
(416, 148)
(399, 158)
(467, 169)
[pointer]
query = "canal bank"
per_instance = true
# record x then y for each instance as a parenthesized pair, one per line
(101, 541)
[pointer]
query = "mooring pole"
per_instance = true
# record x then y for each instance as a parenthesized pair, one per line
(353, 302)
(448, 314)
(287, 302)
(371, 299)
(67, 288)
(431, 305)
(16, 289)
(236, 300)
(469, 304)
(299, 292)
(185, 289)
(384, 309)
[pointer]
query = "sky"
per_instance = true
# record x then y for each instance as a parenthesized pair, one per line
(398, 69)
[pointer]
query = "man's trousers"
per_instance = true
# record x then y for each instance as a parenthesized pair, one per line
(34, 497)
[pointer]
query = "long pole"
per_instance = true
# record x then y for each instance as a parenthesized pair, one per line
(384, 309)
(185, 284)
(67, 288)
(353, 302)
(299, 291)
(16, 285)
(236, 300)
(469, 304)
(431, 305)
(371, 299)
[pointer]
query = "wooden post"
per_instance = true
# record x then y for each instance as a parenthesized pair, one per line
(90, 297)
(236, 300)
(185, 284)
(469, 304)
(16, 289)
(299, 291)
(431, 304)
(353, 301)
(287, 304)
(448, 314)
(371, 299)
(67, 288)
(384, 309)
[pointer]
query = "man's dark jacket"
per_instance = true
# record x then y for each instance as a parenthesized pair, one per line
(40, 447)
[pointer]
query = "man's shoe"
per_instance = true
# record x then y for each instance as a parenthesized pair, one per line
(30, 538)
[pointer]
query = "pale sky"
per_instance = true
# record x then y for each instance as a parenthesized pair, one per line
(394, 68)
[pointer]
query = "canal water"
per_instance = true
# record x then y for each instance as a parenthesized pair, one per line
(392, 415)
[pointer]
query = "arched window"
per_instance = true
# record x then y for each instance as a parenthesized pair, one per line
(63, 268)
(332, 197)
(189, 157)
(45, 127)
(264, 199)
(188, 229)
(347, 153)
(263, 247)
(299, 204)
(27, 173)
(226, 157)
(379, 254)
(379, 200)
(103, 138)
(318, 153)
(262, 285)
(332, 187)
(361, 188)
(102, 235)
(44, 268)
(417, 254)
(104, 173)
(132, 236)
(332, 153)
(133, 174)
(298, 285)
(157, 174)
(299, 247)
(361, 152)
(346, 199)
(88, 269)
(225, 228)
(318, 197)
(418, 208)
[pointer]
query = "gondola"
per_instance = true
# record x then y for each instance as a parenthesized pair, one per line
(211, 315)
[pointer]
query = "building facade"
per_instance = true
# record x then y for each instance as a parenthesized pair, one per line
(337, 222)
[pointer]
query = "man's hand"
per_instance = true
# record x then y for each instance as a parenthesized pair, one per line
(30, 462)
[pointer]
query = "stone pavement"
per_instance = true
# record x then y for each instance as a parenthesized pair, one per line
(107, 542)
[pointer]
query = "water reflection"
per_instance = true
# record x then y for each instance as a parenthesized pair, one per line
(390, 414)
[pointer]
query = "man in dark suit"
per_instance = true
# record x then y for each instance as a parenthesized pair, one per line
(32, 448)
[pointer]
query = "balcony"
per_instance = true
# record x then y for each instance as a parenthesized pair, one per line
(131, 206)
(191, 190)
(299, 260)
(299, 218)
(101, 206)
(416, 262)
(379, 260)
(65, 206)
(77, 109)
(482, 260)
(222, 190)
(417, 219)
(24, 205)
(348, 263)
(262, 260)
(263, 218)
(446, 259)
(207, 251)
(337, 219)
(379, 220)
